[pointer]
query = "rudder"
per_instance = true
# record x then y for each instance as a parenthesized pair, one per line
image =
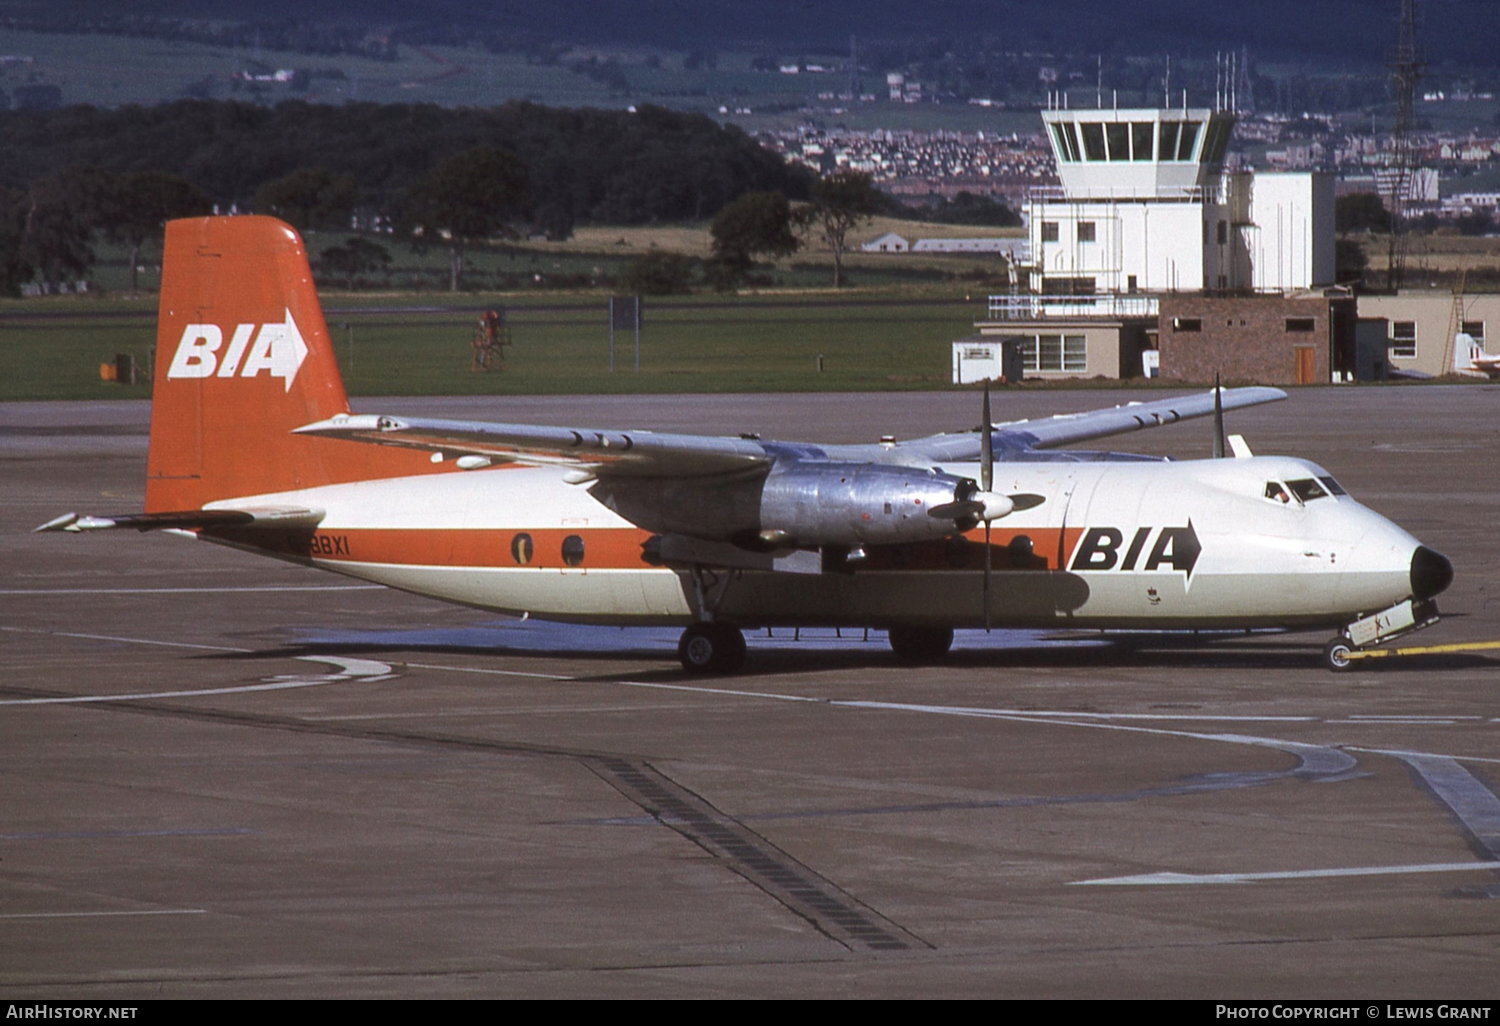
(243, 357)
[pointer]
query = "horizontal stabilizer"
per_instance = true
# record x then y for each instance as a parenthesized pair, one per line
(189, 520)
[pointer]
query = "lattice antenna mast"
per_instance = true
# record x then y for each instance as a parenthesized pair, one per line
(1406, 68)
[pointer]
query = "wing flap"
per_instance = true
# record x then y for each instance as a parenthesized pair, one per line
(603, 453)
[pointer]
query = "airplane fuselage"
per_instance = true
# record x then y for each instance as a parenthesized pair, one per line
(1259, 542)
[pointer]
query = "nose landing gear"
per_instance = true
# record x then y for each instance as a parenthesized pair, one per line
(1402, 618)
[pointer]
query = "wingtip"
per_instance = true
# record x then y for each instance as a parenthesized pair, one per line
(66, 522)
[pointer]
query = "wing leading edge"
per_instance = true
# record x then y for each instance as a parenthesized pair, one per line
(614, 453)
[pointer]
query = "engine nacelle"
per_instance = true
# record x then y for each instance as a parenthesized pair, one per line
(858, 504)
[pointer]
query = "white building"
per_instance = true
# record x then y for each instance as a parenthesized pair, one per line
(1145, 206)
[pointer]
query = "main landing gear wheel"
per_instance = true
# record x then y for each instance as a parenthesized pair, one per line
(921, 644)
(1336, 655)
(711, 648)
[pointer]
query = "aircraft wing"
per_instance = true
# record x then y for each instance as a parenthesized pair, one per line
(614, 453)
(1064, 429)
(596, 452)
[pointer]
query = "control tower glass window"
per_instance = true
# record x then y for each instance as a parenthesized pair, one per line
(1188, 139)
(1118, 135)
(1093, 140)
(1140, 140)
(1067, 142)
(1168, 134)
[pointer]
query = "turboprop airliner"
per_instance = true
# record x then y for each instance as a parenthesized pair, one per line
(253, 445)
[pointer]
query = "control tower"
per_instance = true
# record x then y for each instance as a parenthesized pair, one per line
(1147, 216)
(1146, 206)
(1159, 155)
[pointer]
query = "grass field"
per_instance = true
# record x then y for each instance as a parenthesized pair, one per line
(391, 345)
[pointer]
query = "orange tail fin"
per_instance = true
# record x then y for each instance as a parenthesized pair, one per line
(242, 358)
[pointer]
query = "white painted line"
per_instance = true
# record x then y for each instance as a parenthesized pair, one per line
(1169, 879)
(367, 671)
(98, 915)
(187, 591)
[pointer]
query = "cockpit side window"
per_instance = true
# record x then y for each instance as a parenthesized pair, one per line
(1276, 492)
(1334, 488)
(1307, 489)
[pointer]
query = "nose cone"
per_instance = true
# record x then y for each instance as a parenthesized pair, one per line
(1430, 572)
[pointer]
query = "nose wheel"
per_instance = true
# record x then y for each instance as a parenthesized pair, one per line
(716, 648)
(1336, 655)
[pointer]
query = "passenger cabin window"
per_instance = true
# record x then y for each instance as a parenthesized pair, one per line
(572, 550)
(522, 549)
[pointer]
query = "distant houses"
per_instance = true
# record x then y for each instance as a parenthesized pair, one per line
(1013, 249)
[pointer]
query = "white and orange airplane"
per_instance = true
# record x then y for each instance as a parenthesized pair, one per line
(253, 445)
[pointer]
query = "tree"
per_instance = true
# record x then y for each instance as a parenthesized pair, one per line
(756, 223)
(136, 208)
(309, 198)
(1361, 212)
(658, 273)
(355, 257)
(468, 198)
(61, 212)
(14, 268)
(841, 201)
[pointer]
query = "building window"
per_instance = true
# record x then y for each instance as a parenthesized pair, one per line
(1475, 330)
(1093, 140)
(1049, 231)
(1086, 231)
(1301, 324)
(1140, 140)
(1187, 324)
(1118, 135)
(1222, 232)
(1067, 145)
(1056, 353)
(1404, 339)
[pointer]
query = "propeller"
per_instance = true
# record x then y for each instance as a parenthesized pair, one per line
(1218, 419)
(983, 504)
(986, 483)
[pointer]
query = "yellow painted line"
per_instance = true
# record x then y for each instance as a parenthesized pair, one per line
(1462, 646)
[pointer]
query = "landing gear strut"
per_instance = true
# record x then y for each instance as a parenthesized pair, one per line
(711, 648)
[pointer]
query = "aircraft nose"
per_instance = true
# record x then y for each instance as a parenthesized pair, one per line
(1430, 572)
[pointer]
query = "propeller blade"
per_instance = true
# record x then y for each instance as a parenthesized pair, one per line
(994, 505)
(1218, 419)
(988, 565)
(986, 445)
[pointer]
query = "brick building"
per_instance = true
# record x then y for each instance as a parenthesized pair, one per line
(1269, 339)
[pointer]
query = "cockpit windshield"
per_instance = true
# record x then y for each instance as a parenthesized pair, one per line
(1305, 490)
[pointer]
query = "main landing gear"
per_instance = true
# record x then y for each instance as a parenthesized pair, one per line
(921, 644)
(711, 647)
